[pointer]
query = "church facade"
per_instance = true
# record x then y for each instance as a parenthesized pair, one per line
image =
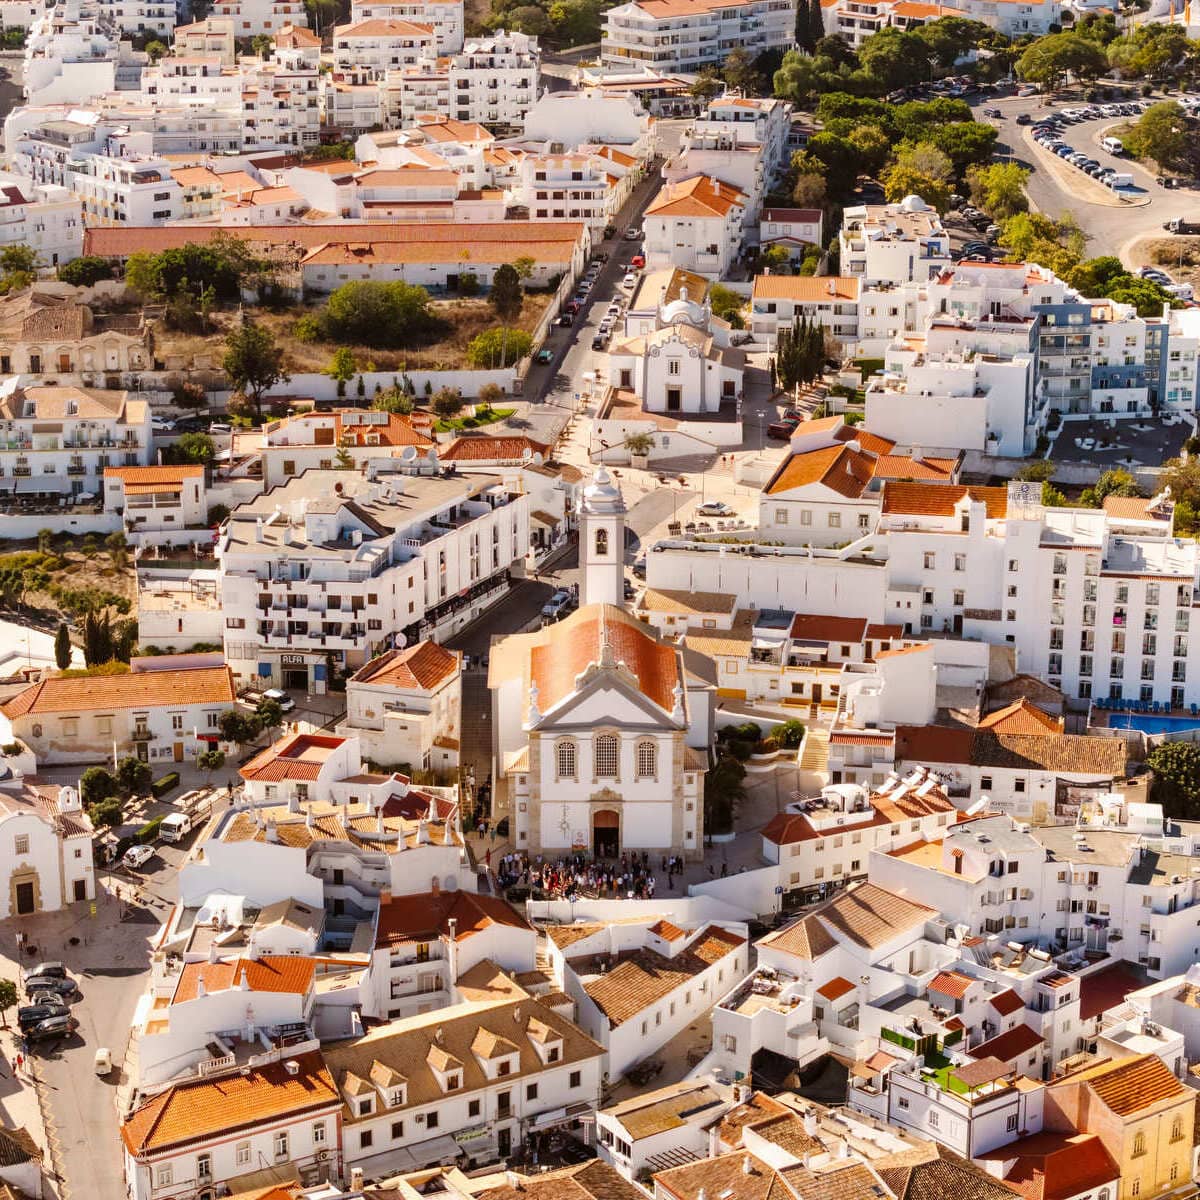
(601, 734)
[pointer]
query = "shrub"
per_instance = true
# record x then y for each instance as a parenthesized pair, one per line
(789, 735)
(148, 832)
(10, 749)
(168, 783)
(749, 731)
(767, 746)
(739, 749)
(869, 366)
(307, 329)
(106, 812)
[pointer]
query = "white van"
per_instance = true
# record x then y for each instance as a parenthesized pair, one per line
(1113, 145)
(175, 827)
(1119, 181)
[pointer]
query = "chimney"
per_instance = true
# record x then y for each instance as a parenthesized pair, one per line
(292, 1067)
(258, 530)
(243, 982)
(385, 896)
(437, 1037)
(356, 1179)
(201, 990)
(434, 886)
(272, 832)
(810, 1122)
(747, 1165)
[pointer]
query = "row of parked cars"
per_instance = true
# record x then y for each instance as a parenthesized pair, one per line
(1047, 136)
(47, 1012)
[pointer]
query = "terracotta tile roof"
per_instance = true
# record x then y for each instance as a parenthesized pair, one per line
(410, 1046)
(1069, 753)
(665, 1109)
(881, 1060)
(841, 469)
(425, 916)
(565, 936)
(951, 983)
(422, 667)
(1006, 1002)
(1135, 508)
(665, 930)
(336, 252)
(836, 988)
(493, 449)
(1022, 717)
(700, 196)
(807, 939)
(939, 500)
(807, 289)
(817, 628)
(871, 915)
(727, 1174)
(136, 689)
(861, 737)
(785, 828)
(805, 215)
(1132, 1085)
(383, 27)
(298, 756)
(1009, 1046)
(137, 475)
(593, 1180)
(924, 470)
(831, 1180)
(686, 602)
(647, 976)
(933, 744)
(209, 1108)
(1056, 1166)
(108, 242)
(396, 429)
(571, 645)
(284, 973)
(759, 1107)
(932, 1172)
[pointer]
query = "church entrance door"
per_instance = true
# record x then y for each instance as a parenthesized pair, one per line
(606, 833)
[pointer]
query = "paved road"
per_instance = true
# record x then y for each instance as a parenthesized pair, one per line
(1110, 229)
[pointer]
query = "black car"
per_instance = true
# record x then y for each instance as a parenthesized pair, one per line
(45, 969)
(566, 320)
(51, 1027)
(50, 983)
(32, 1014)
(599, 342)
(1024, 119)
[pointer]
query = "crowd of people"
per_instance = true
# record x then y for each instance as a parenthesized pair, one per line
(630, 877)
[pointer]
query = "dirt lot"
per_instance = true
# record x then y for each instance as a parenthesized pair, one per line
(74, 569)
(1178, 256)
(461, 320)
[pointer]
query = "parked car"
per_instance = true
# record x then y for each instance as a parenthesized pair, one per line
(175, 827)
(137, 856)
(633, 233)
(566, 320)
(717, 508)
(638, 260)
(780, 431)
(31, 1014)
(44, 970)
(544, 357)
(1024, 119)
(51, 1027)
(102, 1064)
(558, 604)
(281, 698)
(629, 280)
(220, 429)
(993, 114)
(54, 984)
(599, 342)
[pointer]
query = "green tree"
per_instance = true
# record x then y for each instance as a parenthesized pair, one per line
(1145, 295)
(209, 761)
(1049, 59)
(195, 447)
(923, 158)
(85, 270)
(394, 400)
(506, 298)
(723, 791)
(446, 403)
(98, 645)
(1176, 785)
(133, 776)
(62, 646)
(789, 734)
(1037, 472)
(155, 50)
(740, 74)
(965, 143)
(810, 189)
(1165, 134)
(1096, 274)
(873, 146)
(238, 727)
(45, 541)
(253, 362)
(839, 158)
(801, 33)
(639, 444)
(816, 24)
(1182, 476)
(893, 57)
(998, 188)
(725, 302)
(496, 347)
(262, 45)
(707, 85)
(900, 181)
(95, 784)
(952, 38)
(106, 813)
(342, 368)
(1036, 237)
(269, 713)
(377, 314)
(8, 997)
(1114, 482)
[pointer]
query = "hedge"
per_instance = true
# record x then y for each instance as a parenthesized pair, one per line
(148, 832)
(168, 783)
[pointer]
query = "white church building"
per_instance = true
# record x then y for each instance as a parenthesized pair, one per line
(600, 734)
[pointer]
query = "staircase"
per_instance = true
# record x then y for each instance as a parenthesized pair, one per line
(815, 759)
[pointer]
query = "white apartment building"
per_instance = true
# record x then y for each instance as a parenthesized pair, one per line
(666, 978)
(689, 35)
(153, 498)
(716, 153)
(405, 707)
(213, 35)
(570, 187)
(832, 301)
(127, 191)
(696, 225)
(59, 440)
(253, 17)
(425, 941)
(856, 20)
(74, 53)
(477, 1074)
(187, 1140)
(156, 17)
(162, 709)
(752, 120)
(378, 46)
(45, 217)
(893, 243)
(445, 16)
(327, 570)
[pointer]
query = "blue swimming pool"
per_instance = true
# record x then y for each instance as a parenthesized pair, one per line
(1148, 723)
